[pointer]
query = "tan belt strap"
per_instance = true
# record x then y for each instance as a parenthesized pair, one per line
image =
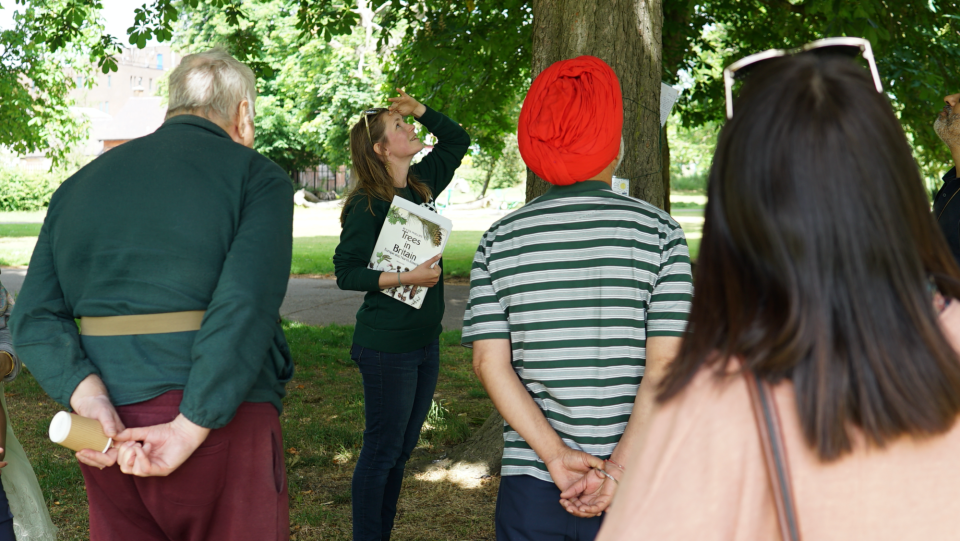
(142, 324)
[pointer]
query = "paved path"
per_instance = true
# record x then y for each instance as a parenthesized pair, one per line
(315, 301)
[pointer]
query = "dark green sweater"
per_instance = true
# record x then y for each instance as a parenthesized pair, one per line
(182, 219)
(383, 323)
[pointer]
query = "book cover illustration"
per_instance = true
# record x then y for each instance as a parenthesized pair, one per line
(410, 235)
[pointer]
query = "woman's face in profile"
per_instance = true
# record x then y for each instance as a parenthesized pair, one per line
(401, 138)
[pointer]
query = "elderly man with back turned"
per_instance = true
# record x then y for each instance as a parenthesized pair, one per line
(174, 252)
(573, 300)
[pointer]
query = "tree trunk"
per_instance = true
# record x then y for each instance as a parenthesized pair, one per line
(626, 35)
(486, 182)
(483, 450)
(665, 167)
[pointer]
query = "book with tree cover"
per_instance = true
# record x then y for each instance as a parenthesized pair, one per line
(410, 235)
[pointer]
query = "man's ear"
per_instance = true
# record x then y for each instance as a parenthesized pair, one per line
(243, 113)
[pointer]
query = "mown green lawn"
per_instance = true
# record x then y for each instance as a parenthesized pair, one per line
(311, 255)
(20, 230)
(323, 432)
(314, 255)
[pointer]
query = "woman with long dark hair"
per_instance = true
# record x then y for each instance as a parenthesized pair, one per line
(395, 346)
(825, 290)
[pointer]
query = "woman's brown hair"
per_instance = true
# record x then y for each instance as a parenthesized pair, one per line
(818, 257)
(373, 177)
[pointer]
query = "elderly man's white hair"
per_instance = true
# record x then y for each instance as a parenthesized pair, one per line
(211, 84)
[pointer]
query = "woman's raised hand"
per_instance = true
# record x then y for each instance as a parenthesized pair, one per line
(406, 105)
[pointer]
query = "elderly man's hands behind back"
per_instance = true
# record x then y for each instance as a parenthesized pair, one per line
(90, 399)
(163, 449)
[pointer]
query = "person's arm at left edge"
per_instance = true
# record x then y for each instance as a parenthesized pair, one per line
(437, 168)
(233, 345)
(10, 364)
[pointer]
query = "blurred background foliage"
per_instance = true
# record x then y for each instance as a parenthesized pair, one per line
(321, 62)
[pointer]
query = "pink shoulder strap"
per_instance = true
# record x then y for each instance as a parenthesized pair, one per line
(771, 440)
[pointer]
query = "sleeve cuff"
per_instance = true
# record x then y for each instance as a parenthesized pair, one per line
(17, 365)
(370, 280)
(468, 339)
(430, 118)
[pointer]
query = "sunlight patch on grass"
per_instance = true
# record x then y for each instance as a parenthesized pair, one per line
(464, 475)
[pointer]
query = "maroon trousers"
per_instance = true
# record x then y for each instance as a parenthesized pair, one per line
(234, 487)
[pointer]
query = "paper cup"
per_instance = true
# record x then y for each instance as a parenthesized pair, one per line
(76, 433)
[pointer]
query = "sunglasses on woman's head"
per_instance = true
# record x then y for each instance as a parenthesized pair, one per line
(845, 46)
(366, 114)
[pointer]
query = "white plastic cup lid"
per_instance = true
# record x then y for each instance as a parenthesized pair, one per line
(60, 427)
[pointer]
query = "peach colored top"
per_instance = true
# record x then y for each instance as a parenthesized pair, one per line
(701, 475)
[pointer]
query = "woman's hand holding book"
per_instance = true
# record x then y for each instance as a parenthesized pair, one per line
(427, 274)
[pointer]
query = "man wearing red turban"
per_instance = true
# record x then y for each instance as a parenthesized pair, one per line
(574, 299)
(571, 121)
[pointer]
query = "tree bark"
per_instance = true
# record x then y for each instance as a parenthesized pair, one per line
(626, 35)
(486, 181)
(665, 167)
(484, 449)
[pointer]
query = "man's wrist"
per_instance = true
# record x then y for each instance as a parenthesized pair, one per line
(554, 451)
(89, 387)
(614, 469)
(615, 464)
(194, 431)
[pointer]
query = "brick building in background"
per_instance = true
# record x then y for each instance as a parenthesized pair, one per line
(139, 71)
(120, 105)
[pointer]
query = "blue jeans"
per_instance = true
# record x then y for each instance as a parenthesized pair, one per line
(397, 393)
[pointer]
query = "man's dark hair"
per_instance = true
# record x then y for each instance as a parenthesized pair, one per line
(817, 256)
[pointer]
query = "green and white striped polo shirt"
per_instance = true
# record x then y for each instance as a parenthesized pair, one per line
(577, 280)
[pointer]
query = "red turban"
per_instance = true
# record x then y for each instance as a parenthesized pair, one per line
(571, 121)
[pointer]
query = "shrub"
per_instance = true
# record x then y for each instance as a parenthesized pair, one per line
(27, 190)
(693, 183)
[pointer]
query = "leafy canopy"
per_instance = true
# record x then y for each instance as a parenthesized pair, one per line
(453, 51)
(470, 60)
(35, 80)
(916, 45)
(310, 89)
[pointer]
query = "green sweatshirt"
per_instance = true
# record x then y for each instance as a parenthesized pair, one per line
(383, 323)
(182, 219)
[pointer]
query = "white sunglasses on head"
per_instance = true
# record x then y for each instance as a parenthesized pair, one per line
(842, 45)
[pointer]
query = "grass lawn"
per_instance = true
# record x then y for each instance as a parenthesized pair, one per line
(20, 230)
(323, 433)
(314, 255)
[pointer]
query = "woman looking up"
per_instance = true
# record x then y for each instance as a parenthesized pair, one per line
(823, 276)
(395, 345)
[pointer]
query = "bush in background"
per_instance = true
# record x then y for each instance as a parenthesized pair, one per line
(696, 183)
(22, 189)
